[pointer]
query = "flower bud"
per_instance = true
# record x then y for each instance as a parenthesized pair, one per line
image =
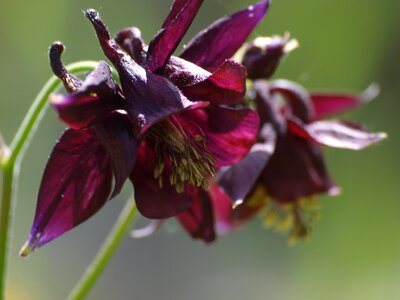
(262, 56)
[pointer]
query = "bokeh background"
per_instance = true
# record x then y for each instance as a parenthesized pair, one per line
(354, 252)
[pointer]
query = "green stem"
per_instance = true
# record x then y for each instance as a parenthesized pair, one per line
(37, 109)
(105, 253)
(6, 209)
(10, 161)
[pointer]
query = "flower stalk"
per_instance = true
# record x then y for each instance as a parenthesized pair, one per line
(11, 157)
(114, 239)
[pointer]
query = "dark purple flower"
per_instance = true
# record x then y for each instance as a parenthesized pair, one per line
(99, 148)
(286, 169)
(169, 128)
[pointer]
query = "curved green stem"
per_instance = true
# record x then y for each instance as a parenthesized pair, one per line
(10, 160)
(37, 109)
(105, 253)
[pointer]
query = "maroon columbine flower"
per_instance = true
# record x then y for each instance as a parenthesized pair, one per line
(209, 49)
(286, 166)
(169, 127)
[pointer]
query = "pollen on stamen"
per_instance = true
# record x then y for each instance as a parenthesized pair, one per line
(191, 163)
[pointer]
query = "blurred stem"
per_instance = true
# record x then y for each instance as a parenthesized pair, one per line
(6, 209)
(10, 162)
(105, 253)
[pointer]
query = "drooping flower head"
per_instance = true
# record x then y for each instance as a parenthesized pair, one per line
(285, 170)
(169, 127)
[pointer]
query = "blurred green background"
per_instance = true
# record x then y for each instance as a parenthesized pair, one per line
(354, 252)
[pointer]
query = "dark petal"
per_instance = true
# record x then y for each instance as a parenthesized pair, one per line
(263, 55)
(227, 85)
(337, 134)
(183, 73)
(177, 8)
(95, 100)
(70, 81)
(296, 170)
(150, 97)
(227, 216)
(222, 206)
(130, 39)
(239, 179)
(228, 133)
(116, 135)
(297, 98)
(153, 201)
(198, 220)
(267, 106)
(75, 185)
(220, 41)
(174, 28)
(329, 104)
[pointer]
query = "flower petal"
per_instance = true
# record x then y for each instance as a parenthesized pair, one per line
(150, 97)
(222, 205)
(153, 201)
(198, 220)
(239, 179)
(93, 102)
(296, 170)
(337, 134)
(220, 41)
(70, 81)
(229, 217)
(75, 185)
(297, 98)
(147, 230)
(228, 133)
(227, 85)
(116, 136)
(328, 104)
(174, 28)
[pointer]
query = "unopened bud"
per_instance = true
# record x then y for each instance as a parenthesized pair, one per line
(130, 39)
(262, 56)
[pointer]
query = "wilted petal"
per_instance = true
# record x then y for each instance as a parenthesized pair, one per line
(75, 185)
(227, 85)
(150, 97)
(220, 41)
(239, 179)
(337, 134)
(296, 170)
(174, 28)
(198, 220)
(93, 102)
(328, 104)
(228, 133)
(153, 201)
(116, 135)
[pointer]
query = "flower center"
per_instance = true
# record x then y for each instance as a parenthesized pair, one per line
(187, 155)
